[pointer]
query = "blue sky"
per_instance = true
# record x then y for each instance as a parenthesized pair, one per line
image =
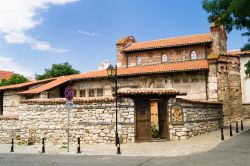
(84, 32)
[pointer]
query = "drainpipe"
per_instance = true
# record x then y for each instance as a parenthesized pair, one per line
(206, 72)
(206, 79)
(126, 60)
(205, 47)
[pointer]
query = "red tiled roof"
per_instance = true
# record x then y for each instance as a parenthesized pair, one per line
(199, 101)
(170, 42)
(237, 52)
(50, 85)
(63, 100)
(149, 91)
(26, 84)
(131, 71)
(10, 117)
(5, 75)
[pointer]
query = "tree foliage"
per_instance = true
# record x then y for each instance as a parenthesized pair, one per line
(57, 70)
(247, 65)
(14, 79)
(232, 14)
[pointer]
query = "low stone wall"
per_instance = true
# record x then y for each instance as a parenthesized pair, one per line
(197, 118)
(91, 120)
(246, 109)
(9, 128)
(11, 103)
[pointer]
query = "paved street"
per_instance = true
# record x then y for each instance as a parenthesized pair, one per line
(194, 145)
(233, 152)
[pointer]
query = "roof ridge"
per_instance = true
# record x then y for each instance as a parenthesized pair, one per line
(20, 85)
(176, 37)
(201, 64)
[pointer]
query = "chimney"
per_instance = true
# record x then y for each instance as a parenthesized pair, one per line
(219, 39)
(120, 55)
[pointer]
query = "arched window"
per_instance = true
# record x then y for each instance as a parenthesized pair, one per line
(138, 60)
(164, 58)
(150, 84)
(193, 55)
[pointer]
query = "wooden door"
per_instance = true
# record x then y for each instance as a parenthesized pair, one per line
(163, 120)
(154, 112)
(143, 125)
(1, 103)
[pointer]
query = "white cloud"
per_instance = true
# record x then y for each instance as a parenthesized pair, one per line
(8, 64)
(19, 16)
(45, 46)
(88, 33)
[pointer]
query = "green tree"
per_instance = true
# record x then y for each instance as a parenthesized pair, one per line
(247, 65)
(14, 79)
(57, 70)
(232, 14)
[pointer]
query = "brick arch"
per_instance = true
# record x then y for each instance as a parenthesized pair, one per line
(150, 84)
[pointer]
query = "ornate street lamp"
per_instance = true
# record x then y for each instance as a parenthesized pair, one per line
(112, 73)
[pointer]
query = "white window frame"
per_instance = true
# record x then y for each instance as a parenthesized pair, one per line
(138, 60)
(193, 55)
(164, 58)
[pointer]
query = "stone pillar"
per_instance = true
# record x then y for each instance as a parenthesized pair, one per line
(235, 94)
(229, 88)
(219, 35)
(120, 54)
(223, 90)
(212, 85)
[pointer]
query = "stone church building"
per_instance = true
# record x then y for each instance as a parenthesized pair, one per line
(169, 89)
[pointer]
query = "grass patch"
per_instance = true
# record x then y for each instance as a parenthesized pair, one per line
(63, 147)
(22, 142)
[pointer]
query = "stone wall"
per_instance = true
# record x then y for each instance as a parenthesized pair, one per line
(92, 121)
(229, 87)
(194, 83)
(246, 109)
(93, 84)
(11, 103)
(199, 117)
(9, 128)
(212, 82)
(219, 35)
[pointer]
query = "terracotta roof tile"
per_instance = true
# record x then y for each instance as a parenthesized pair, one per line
(149, 91)
(237, 52)
(50, 85)
(199, 101)
(138, 70)
(170, 42)
(62, 100)
(10, 117)
(24, 85)
(5, 75)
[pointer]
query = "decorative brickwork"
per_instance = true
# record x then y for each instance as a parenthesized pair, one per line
(152, 57)
(219, 44)
(229, 87)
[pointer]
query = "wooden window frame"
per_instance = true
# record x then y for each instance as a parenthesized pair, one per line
(89, 92)
(102, 92)
(84, 94)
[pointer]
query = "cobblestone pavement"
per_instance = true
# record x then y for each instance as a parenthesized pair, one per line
(195, 145)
